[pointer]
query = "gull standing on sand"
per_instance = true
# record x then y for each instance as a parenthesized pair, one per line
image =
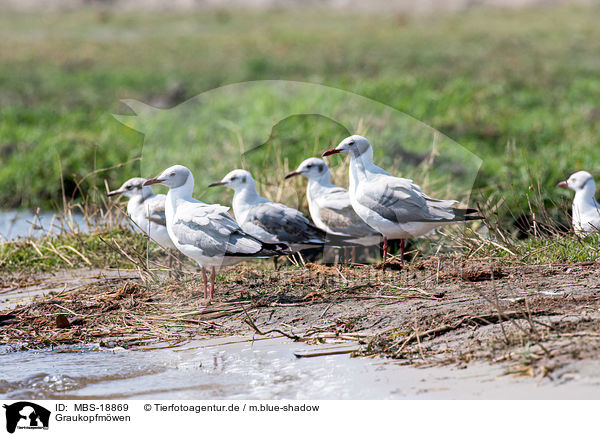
(266, 220)
(329, 205)
(204, 232)
(395, 207)
(586, 210)
(147, 210)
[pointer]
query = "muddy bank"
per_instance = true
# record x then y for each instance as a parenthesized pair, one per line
(447, 311)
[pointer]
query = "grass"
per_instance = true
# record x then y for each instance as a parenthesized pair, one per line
(121, 248)
(75, 250)
(548, 250)
(517, 88)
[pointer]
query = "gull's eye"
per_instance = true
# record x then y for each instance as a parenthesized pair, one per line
(129, 188)
(172, 175)
(309, 166)
(351, 142)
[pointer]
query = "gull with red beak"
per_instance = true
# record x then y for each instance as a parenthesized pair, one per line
(395, 207)
(586, 210)
(204, 232)
(147, 210)
(330, 207)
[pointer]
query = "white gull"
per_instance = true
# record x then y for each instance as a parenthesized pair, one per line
(395, 207)
(586, 210)
(147, 210)
(266, 220)
(204, 232)
(330, 207)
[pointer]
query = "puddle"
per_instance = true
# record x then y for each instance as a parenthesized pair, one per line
(231, 369)
(235, 368)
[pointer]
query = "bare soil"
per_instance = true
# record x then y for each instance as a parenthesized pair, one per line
(439, 312)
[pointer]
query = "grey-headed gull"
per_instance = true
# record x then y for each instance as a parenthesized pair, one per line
(586, 210)
(147, 210)
(395, 207)
(329, 205)
(266, 220)
(204, 232)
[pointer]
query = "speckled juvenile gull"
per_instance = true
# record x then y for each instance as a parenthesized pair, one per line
(586, 210)
(330, 207)
(204, 232)
(266, 220)
(395, 207)
(147, 210)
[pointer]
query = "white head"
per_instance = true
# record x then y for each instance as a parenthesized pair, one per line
(174, 177)
(354, 146)
(236, 180)
(579, 181)
(312, 168)
(133, 187)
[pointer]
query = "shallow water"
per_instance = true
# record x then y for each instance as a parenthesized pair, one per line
(226, 369)
(236, 368)
(19, 224)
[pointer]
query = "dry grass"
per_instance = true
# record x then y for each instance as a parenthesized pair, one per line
(437, 312)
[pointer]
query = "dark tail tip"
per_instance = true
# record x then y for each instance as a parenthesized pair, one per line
(276, 249)
(467, 214)
(469, 217)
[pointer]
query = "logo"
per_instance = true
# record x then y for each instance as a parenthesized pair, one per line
(26, 415)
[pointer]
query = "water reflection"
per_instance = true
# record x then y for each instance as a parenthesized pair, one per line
(19, 224)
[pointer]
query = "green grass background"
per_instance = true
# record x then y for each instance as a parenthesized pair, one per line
(519, 88)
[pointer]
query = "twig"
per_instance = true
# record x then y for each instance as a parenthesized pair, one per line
(341, 275)
(325, 311)
(36, 247)
(419, 347)
(249, 321)
(55, 251)
(302, 354)
(85, 259)
(68, 310)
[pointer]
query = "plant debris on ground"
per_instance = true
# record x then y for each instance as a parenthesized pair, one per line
(441, 311)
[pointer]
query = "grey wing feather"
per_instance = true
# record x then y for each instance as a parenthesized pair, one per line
(287, 224)
(399, 200)
(337, 193)
(344, 220)
(337, 213)
(215, 233)
(156, 208)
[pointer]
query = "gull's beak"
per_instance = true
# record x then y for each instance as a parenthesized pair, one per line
(563, 185)
(153, 181)
(213, 184)
(292, 174)
(332, 151)
(117, 192)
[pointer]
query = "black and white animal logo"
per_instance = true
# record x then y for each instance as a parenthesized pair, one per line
(26, 415)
